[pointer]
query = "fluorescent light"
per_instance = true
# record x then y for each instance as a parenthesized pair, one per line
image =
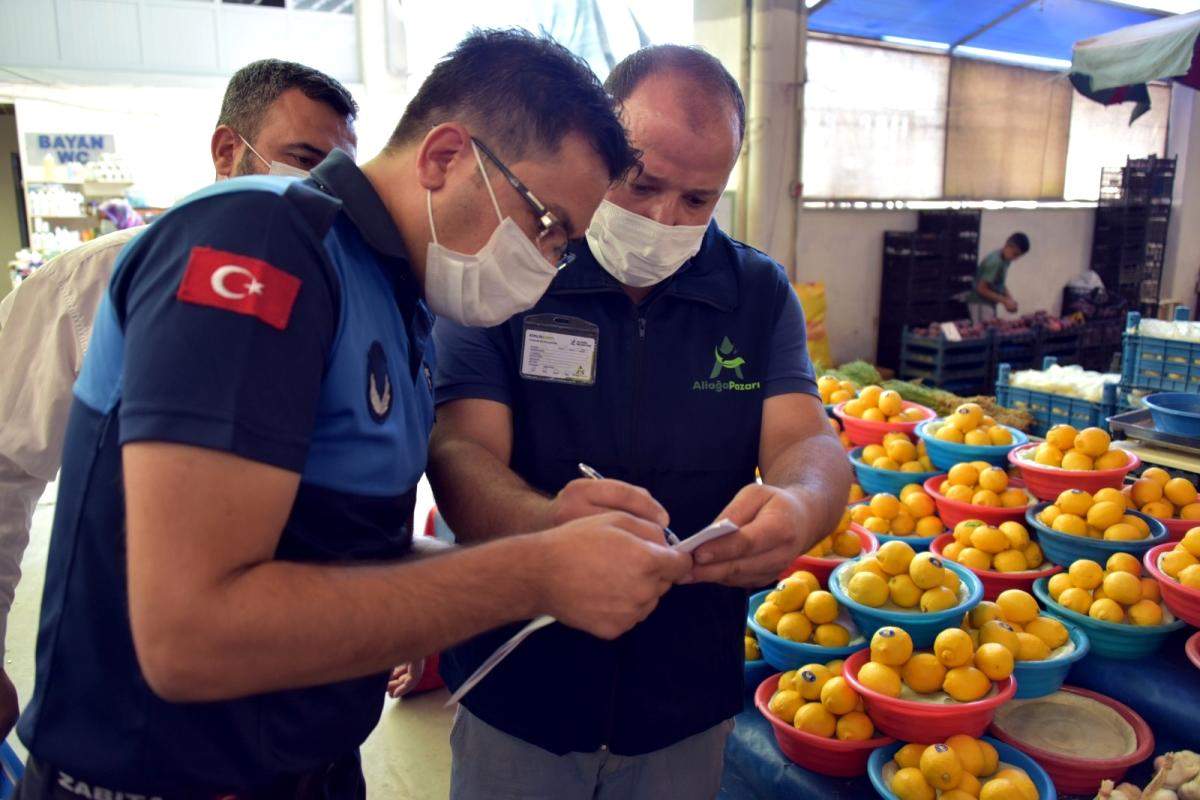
(1013, 58)
(811, 3)
(916, 43)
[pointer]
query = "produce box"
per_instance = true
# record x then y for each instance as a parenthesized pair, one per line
(1161, 364)
(1049, 409)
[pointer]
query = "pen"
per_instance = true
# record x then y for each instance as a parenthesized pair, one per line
(588, 472)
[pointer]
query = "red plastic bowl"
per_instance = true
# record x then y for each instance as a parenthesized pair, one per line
(996, 582)
(863, 432)
(1083, 775)
(912, 721)
(1192, 648)
(1047, 483)
(822, 568)
(1176, 528)
(953, 512)
(1183, 602)
(835, 757)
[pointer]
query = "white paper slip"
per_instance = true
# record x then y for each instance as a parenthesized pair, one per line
(718, 529)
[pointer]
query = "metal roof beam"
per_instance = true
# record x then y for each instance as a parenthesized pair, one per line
(983, 29)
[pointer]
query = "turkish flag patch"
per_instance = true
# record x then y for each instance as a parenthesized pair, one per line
(241, 284)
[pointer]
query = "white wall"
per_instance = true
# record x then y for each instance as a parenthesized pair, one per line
(844, 249)
(1183, 240)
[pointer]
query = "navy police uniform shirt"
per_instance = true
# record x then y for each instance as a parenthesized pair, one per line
(675, 406)
(276, 320)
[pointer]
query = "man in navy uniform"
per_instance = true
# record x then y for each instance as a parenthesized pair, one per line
(223, 594)
(671, 359)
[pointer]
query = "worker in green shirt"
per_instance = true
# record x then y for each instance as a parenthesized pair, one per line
(989, 288)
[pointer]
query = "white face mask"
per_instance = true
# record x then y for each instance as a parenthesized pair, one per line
(638, 251)
(507, 276)
(277, 167)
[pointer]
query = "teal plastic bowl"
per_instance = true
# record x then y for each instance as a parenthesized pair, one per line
(921, 627)
(1109, 639)
(783, 654)
(1040, 678)
(1064, 549)
(945, 455)
(874, 481)
(1008, 755)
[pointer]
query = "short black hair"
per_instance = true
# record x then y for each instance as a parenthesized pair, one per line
(694, 63)
(1019, 241)
(254, 87)
(518, 93)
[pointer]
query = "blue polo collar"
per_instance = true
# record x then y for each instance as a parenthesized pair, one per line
(340, 176)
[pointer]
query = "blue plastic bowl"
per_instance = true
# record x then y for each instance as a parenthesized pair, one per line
(921, 627)
(874, 481)
(1065, 549)
(1109, 639)
(918, 543)
(1040, 678)
(783, 654)
(757, 672)
(945, 455)
(1177, 413)
(1008, 755)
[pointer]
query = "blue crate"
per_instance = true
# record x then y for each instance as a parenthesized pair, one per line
(1049, 409)
(961, 367)
(1162, 364)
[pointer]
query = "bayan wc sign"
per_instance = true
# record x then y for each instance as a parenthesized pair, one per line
(67, 148)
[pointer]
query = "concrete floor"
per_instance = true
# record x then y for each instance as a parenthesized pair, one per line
(407, 756)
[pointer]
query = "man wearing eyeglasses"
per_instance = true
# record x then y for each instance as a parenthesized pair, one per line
(223, 595)
(672, 360)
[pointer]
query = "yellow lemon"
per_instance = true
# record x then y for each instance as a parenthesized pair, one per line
(923, 673)
(1048, 514)
(1016, 533)
(837, 696)
(885, 506)
(820, 607)
(1049, 630)
(890, 402)
(807, 578)
(880, 678)
(1110, 495)
(810, 679)
(1020, 781)
(904, 592)
(855, 727)
(1062, 436)
(768, 615)
(870, 395)
(1076, 599)
(939, 598)
(853, 406)
(975, 558)
(1191, 542)
(1150, 590)
(873, 415)
(949, 433)
(1157, 474)
(951, 580)
(846, 544)
(856, 493)
(1032, 648)
(753, 653)
(795, 627)
(1093, 442)
(1033, 555)
(1070, 524)
(994, 660)
(1123, 562)
(910, 755)
(985, 498)
(831, 635)
(868, 588)
(966, 684)
(903, 524)
(993, 479)
(860, 514)
(1122, 587)
(941, 767)
(1074, 501)
(884, 462)
(1077, 461)
(1190, 512)
(968, 788)
(1160, 509)
(1010, 561)
(1014, 498)
(950, 551)
(963, 475)
(1085, 574)
(910, 784)
(1017, 605)
(1048, 455)
(1190, 576)
(835, 666)
(977, 438)
(988, 539)
(1058, 583)
(813, 718)
(1146, 491)
(991, 759)
(984, 612)
(1000, 789)
(964, 529)
(926, 570)
(953, 647)
(1176, 561)
(967, 417)
(919, 504)
(929, 526)
(1123, 533)
(895, 556)
(1146, 612)
(901, 450)
(785, 704)
(1098, 593)
(788, 681)
(869, 565)
(968, 752)
(1113, 459)
(791, 594)
(1000, 633)
(891, 645)
(908, 489)
(1105, 513)
(1106, 610)
(961, 494)
(999, 435)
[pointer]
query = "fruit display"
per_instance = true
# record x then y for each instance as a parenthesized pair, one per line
(799, 610)
(816, 699)
(1103, 515)
(856, 493)
(1116, 592)
(1182, 562)
(970, 425)
(1077, 451)
(834, 391)
(876, 404)
(843, 437)
(953, 666)
(842, 543)
(1157, 494)
(912, 514)
(897, 453)
(903, 578)
(979, 483)
(1007, 326)
(753, 653)
(960, 768)
(1007, 547)
(1015, 622)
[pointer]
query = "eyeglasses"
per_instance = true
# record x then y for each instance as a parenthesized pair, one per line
(552, 234)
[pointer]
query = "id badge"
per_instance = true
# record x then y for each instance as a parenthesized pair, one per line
(559, 349)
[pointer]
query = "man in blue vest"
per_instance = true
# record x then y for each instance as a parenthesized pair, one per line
(224, 592)
(671, 359)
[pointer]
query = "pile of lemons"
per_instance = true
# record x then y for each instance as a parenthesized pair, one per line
(1006, 547)
(856, 493)
(1014, 621)
(816, 699)
(753, 653)
(1084, 450)
(913, 513)
(799, 610)
(898, 454)
(842, 542)
(1104, 515)
(961, 768)
(834, 391)
(955, 666)
(876, 404)
(907, 579)
(1116, 592)
(982, 484)
(843, 437)
(1157, 494)
(1182, 564)
(969, 425)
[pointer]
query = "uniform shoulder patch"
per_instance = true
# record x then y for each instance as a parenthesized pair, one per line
(241, 284)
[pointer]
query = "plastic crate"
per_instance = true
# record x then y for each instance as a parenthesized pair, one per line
(1018, 349)
(1062, 345)
(955, 366)
(1161, 364)
(1049, 409)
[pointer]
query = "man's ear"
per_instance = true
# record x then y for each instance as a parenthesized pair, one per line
(226, 150)
(442, 147)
